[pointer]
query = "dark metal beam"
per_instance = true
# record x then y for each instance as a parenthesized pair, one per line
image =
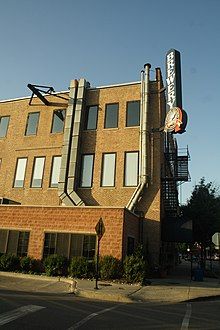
(38, 93)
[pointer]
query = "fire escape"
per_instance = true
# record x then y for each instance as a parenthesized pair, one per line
(174, 173)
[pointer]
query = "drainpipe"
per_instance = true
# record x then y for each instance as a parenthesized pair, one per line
(145, 77)
(67, 177)
(75, 144)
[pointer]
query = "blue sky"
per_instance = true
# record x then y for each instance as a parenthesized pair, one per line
(50, 42)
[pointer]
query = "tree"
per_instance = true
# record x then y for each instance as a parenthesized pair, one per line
(203, 208)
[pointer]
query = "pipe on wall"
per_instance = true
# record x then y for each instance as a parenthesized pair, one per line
(145, 78)
(66, 185)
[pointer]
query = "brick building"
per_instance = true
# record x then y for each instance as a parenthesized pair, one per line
(68, 159)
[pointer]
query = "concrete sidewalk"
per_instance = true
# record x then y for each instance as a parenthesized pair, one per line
(176, 287)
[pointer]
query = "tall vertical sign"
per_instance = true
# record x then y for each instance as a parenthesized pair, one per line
(176, 118)
(173, 79)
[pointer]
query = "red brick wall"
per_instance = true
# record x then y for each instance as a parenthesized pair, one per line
(38, 220)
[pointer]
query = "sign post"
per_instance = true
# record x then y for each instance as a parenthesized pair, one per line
(100, 230)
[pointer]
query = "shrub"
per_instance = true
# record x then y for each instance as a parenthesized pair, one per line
(55, 265)
(135, 267)
(110, 268)
(26, 264)
(9, 262)
(81, 267)
(37, 267)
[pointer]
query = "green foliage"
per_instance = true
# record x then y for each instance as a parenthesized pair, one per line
(80, 267)
(110, 268)
(27, 264)
(55, 265)
(37, 267)
(203, 208)
(135, 267)
(9, 263)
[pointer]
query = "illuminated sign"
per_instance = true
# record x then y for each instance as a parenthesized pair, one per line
(173, 79)
(176, 118)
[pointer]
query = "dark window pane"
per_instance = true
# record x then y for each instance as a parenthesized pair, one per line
(89, 245)
(23, 241)
(3, 240)
(58, 121)
(133, 113)
(91, 120)
(111, 115)
(32, 123)
(76, 246)
(13, 241)
(4, 121)
(62, 247)
(49, 244)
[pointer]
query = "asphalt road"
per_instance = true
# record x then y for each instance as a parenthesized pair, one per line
(21, 311)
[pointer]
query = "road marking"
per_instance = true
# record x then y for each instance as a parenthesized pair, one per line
(185, 323)
(19, 312)
(89, 317)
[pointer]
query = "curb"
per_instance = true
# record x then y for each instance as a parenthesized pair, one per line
(71, 282)
(103, 296)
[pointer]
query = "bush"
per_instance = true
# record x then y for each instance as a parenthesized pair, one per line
(81, 267)
(55, 265)
(135, 267)
(37, 267)
(26, 264)
(9, 262)
(110, 268)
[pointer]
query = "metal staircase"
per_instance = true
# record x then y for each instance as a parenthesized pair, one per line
(174, 172)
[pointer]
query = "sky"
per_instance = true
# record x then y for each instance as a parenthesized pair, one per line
(50, 42)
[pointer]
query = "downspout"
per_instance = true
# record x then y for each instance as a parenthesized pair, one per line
(67, 177)
(145, 77)
(75, 144)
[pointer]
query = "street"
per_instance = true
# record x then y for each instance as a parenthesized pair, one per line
(20, 310)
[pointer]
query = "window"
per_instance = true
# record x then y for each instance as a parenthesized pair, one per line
(32, 123)
(131, 169)
(111, 115)
(70, 245)
(58, 121)
(4, 121)
(38, 171)
(133, 113)
(89, 244)
(49, 244)
(14, 241)
(108, 170)
(55, 172)
(20, 172)
(23, 240)
(91, 117)
(87, 170)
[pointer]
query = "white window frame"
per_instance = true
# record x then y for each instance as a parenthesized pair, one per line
(131, 168)
(20, 172)
(38, 172)
(87, 165)
(55, 171)
(108, 169)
